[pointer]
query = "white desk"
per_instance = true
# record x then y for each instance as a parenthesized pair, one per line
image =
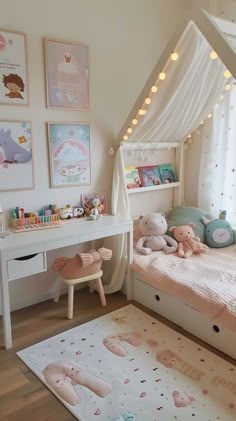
(37, 243)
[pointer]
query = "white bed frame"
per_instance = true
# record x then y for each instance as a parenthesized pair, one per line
(183, 315)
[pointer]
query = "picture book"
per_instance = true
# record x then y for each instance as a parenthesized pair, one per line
(132, 178)
(87, 202)
(167, 173)
(149, 176)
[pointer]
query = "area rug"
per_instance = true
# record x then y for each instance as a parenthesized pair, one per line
(127, 365)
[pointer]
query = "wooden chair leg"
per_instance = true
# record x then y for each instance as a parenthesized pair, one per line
(70, 301)
(101, 291)
(58, 289)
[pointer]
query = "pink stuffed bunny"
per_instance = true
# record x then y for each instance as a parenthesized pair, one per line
(188, 242)
(82, 264)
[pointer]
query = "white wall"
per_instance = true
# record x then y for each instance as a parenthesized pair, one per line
(125, 39)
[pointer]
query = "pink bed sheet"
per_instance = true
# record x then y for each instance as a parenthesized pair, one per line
(206, 282)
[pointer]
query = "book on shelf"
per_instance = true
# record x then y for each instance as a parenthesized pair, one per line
(167, 173)
(150, 175)
(132, 178)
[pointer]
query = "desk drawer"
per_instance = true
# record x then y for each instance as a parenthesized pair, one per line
(26, 265)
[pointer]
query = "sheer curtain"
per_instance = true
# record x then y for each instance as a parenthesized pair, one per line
(217, 181)
(120, 207)
(192, 86)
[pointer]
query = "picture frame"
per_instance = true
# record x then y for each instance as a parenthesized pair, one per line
(69, 154)
(87, 198)
(67, 74)
(14, 85)
(16, 156)
(150, 175)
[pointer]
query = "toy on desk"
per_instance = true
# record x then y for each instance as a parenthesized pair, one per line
(28, 221)
(78, 212)
(95, 211)
(66, 212)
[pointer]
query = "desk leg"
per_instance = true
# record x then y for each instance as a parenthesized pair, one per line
(6, 313)
(130, 283)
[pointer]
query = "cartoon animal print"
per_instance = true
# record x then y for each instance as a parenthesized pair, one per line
(113, 342)
(181, 399)
(13, 152)
(170, 360)
(217, 380)
(62, 376)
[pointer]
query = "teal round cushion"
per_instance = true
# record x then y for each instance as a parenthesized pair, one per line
(219, 233)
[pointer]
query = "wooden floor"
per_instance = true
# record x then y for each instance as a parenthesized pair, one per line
(22, 395)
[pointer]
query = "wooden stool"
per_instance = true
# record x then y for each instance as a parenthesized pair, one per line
(94, 281)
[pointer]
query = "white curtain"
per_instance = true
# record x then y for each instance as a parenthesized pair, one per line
(217, 181)
(187, 95)
(120, 207)
(189, 92)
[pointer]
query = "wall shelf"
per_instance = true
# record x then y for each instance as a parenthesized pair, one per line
(150, 188)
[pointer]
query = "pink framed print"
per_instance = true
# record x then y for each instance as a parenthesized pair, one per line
(69, 154)
(67, 78)
(14, 88)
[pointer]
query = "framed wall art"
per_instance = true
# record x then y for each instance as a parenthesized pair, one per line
(14, 88)
(69, 154)
(67, 78)
(16, 163)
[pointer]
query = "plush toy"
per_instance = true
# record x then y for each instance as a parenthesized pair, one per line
(219, 232)
(188, 242)
(96, 208)
(66, 212)
(78, 212)
(82, 264)
(153, 228)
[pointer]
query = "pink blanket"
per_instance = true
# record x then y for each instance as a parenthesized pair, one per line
(206, 282)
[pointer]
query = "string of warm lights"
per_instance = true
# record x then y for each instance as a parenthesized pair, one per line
(147, 101)
(161, 77)
(228, 85)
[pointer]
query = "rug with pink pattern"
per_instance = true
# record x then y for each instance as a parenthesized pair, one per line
(127, 365)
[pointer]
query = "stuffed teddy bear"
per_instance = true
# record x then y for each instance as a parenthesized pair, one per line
(188, 242)
(153, 228)
(82, 264)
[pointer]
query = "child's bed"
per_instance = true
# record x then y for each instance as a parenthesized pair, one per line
(197, 293)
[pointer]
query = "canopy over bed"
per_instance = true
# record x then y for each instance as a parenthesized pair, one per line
(181, 91)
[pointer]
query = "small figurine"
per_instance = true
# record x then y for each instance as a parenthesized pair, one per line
(78, 212)
(96, 207)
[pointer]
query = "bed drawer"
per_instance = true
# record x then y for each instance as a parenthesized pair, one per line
(187, 317)
(26, 265)
(158, 301)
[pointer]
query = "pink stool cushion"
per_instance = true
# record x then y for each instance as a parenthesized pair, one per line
(82, 264)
